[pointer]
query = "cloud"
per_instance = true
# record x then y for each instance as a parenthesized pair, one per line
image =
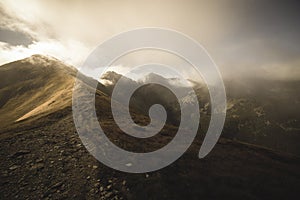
(32, 20)
(14, 37)
(241, 36)
(71, 52)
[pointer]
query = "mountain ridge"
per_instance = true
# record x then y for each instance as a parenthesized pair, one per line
(43, 157)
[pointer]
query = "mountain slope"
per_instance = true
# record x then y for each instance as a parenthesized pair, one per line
(42, 156)
(34, 86)
(261, 112)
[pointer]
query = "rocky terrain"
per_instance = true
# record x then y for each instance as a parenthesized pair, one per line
(42, 156)
(260, 112)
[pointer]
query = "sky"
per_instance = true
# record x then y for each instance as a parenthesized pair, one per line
(245, 38)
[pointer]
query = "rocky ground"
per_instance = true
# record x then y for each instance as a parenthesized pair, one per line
(45, 159)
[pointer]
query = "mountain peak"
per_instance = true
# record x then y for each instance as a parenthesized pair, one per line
(40, 59)
(40, 56)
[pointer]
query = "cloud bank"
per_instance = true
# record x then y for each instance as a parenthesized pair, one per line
(245, 38)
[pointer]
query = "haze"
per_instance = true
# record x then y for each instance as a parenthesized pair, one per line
(245, 38)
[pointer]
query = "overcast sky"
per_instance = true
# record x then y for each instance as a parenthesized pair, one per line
(253, 38)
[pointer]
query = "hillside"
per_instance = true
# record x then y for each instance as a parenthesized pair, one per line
(34, 86)
(42, 156)
(260, 112)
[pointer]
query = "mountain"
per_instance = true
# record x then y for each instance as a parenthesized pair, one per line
(148, 94)
(260, 112)
(42, 156)
(265, 112)
(34, 86)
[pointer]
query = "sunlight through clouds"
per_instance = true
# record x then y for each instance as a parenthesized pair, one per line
(227, 29)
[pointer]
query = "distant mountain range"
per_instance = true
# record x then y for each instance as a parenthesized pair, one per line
(262, 112)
